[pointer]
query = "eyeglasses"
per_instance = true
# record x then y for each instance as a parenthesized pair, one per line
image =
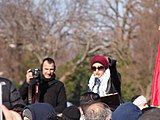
(100, 68)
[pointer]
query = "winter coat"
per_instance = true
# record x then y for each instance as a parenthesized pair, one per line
(115, 76)
(52, 92)
(10, 95)
(126, 111)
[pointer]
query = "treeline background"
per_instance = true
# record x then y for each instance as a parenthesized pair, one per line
(73, 31)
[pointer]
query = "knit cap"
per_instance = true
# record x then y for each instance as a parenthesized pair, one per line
(100, 59)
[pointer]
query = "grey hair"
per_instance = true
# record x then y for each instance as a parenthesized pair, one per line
(98, 111)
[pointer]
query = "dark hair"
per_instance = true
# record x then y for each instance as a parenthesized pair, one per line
(71, 113)
(49, 60)
(19, 107)
(88, 98)
(52, 116)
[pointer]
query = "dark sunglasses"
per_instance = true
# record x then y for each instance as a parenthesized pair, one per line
(99, 68)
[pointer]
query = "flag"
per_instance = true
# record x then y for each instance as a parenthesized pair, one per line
(155, 99)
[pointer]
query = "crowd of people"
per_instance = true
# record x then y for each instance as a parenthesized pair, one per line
(43, 97)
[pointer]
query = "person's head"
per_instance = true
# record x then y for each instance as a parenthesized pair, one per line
(98, 65)
(88, 98)
(151, 113)
(38, 111)
(48, 67)
(19, 108)
(140, 101)
(71, 113)
(98, 111)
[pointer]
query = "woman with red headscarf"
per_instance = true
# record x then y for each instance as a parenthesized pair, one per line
(105, 79)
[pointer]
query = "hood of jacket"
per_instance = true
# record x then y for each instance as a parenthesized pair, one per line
(40, 111)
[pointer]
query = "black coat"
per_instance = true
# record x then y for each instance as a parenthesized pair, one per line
(10, 95)
(115, 75)
(52, 92)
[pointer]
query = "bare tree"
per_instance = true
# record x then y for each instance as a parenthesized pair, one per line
(124, 29)
(145, 47)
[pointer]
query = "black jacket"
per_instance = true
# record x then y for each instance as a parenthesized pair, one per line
(10, 95)
(115, 75)
(52, 92)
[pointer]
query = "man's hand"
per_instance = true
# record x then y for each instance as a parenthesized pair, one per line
(29, 76)
(10, 114)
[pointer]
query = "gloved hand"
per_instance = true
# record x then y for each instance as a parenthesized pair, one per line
(112, 62)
